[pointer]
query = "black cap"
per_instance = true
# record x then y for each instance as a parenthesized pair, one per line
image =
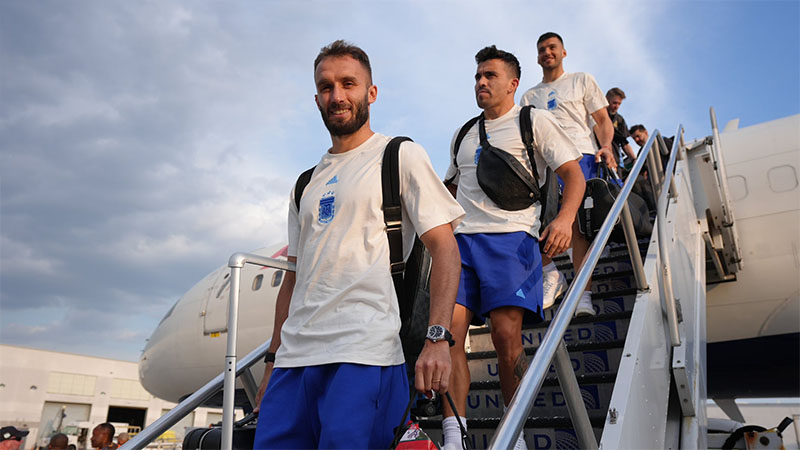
(7, 433)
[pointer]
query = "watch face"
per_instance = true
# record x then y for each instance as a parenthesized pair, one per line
(435, 332)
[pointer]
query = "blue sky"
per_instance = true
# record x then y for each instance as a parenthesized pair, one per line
(141, 143)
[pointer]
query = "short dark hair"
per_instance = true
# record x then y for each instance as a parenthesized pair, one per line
(487, 53)
(615, 92)
(547, 36)
(343, 48)
(637, 127)
(106, 427)
(59, 441)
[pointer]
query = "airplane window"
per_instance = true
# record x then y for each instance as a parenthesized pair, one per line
(782, 178)
(277, 277)
(257, 282)
(738, 187)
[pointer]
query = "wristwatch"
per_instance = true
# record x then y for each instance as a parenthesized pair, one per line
(438, 333)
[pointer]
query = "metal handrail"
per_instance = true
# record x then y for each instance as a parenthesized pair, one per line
(165, 422)
(663, 248)
(225, 380)
(236, 263)
(722, 174)
(514, 419)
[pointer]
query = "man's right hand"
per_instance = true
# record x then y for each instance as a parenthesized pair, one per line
(557, 236)
(263, 386)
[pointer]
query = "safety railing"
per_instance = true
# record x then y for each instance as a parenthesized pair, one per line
(189, 404)
(552, 346)
(663, 249)
(233, 368)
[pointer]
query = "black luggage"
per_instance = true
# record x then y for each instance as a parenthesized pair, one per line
(244, 435)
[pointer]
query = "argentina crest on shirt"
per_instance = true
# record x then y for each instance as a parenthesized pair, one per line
(327, 207)
(551, 101)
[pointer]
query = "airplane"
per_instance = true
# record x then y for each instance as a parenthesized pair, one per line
(753, 317)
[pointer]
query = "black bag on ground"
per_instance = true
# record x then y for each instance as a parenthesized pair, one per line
(244, 435)
(411, 278)
(601, 192)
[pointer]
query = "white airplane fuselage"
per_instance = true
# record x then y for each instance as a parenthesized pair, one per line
(187, 349)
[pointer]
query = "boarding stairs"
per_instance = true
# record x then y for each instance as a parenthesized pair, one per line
(630, 377)
(594, 344)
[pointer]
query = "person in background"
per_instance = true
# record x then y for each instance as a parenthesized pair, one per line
(576, 101)
(58, 441)
(123, 438)
(103, 437)
(639, 134)
(11, 438)
(620, 144)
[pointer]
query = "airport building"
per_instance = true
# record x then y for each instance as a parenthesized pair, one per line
(42, 391)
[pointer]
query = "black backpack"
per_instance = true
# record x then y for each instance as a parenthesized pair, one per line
(600, 195)
(548, 194)
(411, 278)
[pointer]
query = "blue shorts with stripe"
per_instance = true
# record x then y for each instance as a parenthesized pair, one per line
(588, 166)
(332, 406)
(500, 269)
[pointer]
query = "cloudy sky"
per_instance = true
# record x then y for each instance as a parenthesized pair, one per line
(142, 143)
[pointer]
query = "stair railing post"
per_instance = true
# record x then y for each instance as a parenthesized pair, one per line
(663, 247)
(229, 386)
(633, 248)
(652, 172)
(574, 399)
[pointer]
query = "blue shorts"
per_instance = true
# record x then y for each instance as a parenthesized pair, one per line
(332, 406)
(500, 269)
(590, 169)
(588, 166)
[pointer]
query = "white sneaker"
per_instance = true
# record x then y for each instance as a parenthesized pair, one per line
(585, 307)
(520, 445)
(554, 284)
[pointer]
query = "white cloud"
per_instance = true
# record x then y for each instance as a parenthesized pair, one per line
(137, 137)
(20, 257)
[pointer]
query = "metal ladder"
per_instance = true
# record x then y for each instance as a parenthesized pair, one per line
(233, 368)
(552, 348)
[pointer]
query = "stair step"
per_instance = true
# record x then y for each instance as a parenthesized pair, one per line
(602, 328)
(539, 433)
(604, 266)
(609, 251)
(487, 403)
(587, 358)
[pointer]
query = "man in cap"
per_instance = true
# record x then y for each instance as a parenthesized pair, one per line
(11, 438)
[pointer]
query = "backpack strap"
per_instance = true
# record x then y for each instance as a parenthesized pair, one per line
(526, 130)
(393, 210)
(457, 144)
(300, 185)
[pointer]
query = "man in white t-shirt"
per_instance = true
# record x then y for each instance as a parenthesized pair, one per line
(577, 102)
(500, 256)
(339, 380)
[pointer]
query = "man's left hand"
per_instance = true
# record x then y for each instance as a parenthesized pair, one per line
(433, 367)
(608, 156)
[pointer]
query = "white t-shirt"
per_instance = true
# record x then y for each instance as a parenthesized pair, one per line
(344, 307)
(552, 148)
(572, 98)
